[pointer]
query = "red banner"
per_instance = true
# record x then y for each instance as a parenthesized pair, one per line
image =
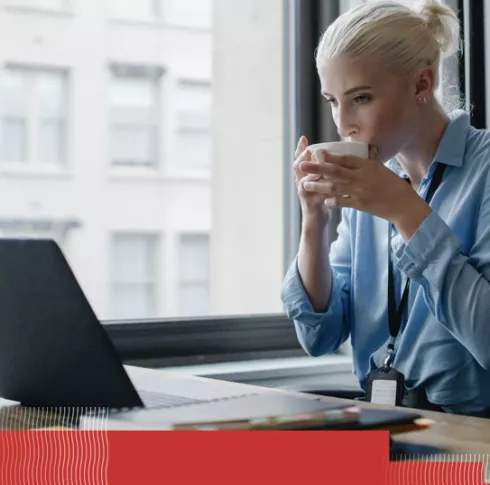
(231, 457)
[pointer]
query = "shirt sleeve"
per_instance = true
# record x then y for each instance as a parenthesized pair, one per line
(321, 333)
(456, 285)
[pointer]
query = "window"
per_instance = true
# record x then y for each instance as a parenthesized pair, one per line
(134, 116)
(34, 124)
(193, 275)
(175, 131)
(184, 13)
(193, 125)
(190, 13)
(134, 275)
(135, 9)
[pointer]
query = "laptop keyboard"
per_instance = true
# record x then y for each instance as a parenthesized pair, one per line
(159, 400)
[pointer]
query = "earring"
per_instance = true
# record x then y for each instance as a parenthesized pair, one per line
(422, 100)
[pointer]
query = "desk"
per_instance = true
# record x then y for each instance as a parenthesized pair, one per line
(457, 434)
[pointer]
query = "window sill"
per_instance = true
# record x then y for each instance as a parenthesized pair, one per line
(138, 174)
(296, 373)
(159, 24)
(36, 172)
(254, 366)
(62, 13)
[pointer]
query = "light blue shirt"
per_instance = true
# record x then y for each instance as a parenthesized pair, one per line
(444, 341)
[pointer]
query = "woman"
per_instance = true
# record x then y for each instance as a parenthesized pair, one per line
(408, 277)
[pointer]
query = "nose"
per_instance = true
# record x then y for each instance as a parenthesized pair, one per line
(346, 125)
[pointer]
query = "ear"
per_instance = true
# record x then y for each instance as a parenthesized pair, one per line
(424, 84)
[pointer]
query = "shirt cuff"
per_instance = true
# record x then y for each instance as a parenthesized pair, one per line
(297, 303)
(432, 242)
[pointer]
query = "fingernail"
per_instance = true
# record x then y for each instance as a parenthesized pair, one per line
(308, 185)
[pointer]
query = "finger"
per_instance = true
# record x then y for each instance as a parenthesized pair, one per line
(347, 161)
(310, 178)
(341, 202)
(304, 156)
(307, 178)
(326, 187)
(334, 172)
(301, 147)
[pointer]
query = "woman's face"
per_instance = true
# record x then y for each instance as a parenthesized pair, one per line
(369, 103)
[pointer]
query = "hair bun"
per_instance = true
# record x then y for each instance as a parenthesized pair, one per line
(443, 23)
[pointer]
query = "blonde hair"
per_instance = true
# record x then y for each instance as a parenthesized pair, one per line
(403, 39)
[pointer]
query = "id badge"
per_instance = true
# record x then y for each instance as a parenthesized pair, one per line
(385, 387)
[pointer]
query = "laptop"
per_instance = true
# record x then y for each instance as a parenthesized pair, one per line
(55, 353)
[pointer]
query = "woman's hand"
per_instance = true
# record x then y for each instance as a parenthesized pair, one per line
(312, 203)
(368, 186)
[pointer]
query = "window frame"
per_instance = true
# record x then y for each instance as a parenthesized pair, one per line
(155, 240)
(192, 341)
(35, 164)
(173, 168)
(472, 62)
(159, 19)
(156, 75)
(181, 235)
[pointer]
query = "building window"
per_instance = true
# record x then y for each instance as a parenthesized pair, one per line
(185, 13)
(135, 9)
(193, 291)
(189, 13)
(193, 125)
(34, 116)
(134, 115)
(134, 275)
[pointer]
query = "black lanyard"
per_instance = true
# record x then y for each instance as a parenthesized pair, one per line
(395, 314)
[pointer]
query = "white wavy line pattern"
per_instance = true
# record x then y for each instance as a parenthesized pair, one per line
(447, 469)
(33, 454)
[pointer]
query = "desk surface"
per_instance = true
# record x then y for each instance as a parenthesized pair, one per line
(457, 434)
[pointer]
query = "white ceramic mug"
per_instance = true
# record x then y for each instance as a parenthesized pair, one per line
(357, 148)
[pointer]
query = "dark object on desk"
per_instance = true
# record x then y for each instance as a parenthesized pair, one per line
(53, 350)
(339, 393)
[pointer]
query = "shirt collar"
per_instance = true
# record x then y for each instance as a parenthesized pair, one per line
(452, 146)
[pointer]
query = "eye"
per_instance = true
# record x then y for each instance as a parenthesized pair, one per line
(331, 101)
(363, 98)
